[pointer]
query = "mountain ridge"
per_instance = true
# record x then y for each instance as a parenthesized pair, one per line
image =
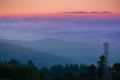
(8, 51)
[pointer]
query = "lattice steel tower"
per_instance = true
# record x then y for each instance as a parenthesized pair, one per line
(106, 72)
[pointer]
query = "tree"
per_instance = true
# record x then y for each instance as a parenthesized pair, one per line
(13, 62)
(57, 70)
(116, 70)
(69, 76)
(31, 64)
(91, 71)
(101, 64)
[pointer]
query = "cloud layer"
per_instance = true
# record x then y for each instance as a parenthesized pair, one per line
(63, 28)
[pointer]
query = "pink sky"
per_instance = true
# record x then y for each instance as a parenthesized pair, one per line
(24, 7)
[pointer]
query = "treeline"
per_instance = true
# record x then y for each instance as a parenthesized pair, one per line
(14, 70)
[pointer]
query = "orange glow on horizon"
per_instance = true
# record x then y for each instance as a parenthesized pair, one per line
(24, 7)
(65, 15)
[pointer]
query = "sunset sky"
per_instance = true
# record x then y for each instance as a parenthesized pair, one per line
(16, 7)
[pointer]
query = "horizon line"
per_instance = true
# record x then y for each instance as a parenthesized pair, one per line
(58, 14)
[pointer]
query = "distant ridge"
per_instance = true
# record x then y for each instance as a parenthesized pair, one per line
(41, 59)
(50, 40)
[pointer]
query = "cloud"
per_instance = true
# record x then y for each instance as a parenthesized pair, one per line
(83, 12)
(37, 28)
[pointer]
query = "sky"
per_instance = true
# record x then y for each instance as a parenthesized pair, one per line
(24, 7)
(58, 28)
(106, 27)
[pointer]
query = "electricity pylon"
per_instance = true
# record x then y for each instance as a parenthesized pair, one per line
(106, 72)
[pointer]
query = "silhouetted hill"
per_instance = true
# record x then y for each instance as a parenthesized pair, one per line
(8, 51)
(77, 52)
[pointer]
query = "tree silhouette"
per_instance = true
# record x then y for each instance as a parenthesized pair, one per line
(69, 76)
(12, 71)
(91, 71)
(13, 62)
(31, 64)
(116, 73)
(101, 64)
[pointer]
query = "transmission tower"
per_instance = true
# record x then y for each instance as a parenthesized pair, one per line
(106, 72)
